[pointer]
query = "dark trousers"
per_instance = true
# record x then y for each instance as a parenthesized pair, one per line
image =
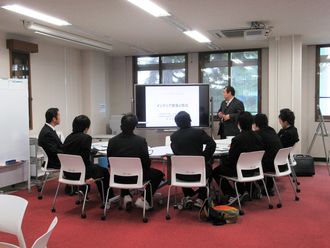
(153, 175)
(202, 191)
(95, 171)
(230, 171)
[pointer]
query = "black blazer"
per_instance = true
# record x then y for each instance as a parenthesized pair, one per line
(52, 145)
(288, 136)
(246, 141)
(80, 144)
(130, 145)
(272, 144)
(229, 127)
(190, 141)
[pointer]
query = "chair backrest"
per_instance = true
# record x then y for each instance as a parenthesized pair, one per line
(188, 165)
(167, 140)
(126, 167)
(45, 157)
(73, 164)
(12, 210)
(281, 159)
(42, 241)
(249, 161)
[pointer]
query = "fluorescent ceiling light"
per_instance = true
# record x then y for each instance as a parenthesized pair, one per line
(197, 36)
(150, 7)
(35, 14)
(61, 35)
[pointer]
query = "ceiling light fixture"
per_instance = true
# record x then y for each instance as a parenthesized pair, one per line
(150, 7)
(61, 35)
(197, 36)
(35, 14)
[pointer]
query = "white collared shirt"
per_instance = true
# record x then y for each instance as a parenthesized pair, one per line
(228, 102)
(50, 126)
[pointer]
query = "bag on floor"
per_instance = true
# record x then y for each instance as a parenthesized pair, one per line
(218, 214)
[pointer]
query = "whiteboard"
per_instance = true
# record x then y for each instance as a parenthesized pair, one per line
(14, 124)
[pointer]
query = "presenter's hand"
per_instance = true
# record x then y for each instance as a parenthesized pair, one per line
(220, 115)
(226, 117)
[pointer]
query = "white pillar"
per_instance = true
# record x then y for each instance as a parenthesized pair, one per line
(285, 87)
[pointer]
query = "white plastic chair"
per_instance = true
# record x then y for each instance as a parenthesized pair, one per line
(127, 167)
(47, 171)
(186, 165)
(282, 159)
(42, 241)
(12, 210)
(248, 161)
(74, 164)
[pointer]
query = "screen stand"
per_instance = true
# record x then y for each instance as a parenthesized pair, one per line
(321, 130)
(211, 116)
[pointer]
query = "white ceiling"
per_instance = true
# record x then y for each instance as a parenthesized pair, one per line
(125, 26)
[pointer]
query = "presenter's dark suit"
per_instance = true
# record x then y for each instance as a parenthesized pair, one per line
(288, 136)
(80, 144)
(190, 141)
(131, 145)
(229, 127)
(246, 141)
(52, 145)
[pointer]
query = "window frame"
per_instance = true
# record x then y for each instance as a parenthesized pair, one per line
(160, 66)
(229, 62)
(326, 118)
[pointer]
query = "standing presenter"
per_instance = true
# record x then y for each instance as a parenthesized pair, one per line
(228, 113)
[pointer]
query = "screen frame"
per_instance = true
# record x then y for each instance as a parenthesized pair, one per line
(140, 108)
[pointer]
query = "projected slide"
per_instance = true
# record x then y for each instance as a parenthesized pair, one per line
(163, 103)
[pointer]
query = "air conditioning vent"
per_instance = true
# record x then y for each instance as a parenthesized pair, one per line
(228, 33)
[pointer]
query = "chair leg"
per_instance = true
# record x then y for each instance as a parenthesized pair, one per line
(145, 220)
(168, 203)
(102, 197)
(270, 205)
(279, 204)
(105, 205)
(241, 212)
(44, 180)
(295, 180)
(294, 189)
(54, 201)
(83, 213)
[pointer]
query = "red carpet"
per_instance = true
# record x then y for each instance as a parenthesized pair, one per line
(297, 224)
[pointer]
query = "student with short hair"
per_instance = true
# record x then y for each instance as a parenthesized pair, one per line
(128, 144)
(289, 133)
(246, 141)
(79, 143)
(48, 138)
(189, 141)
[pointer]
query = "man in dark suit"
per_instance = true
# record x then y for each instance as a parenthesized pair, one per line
(190, 141)
(289, 133)
(228, 113)
(128, 144)
(49, 140)
(272, 144)
(246, 141)
(79, 143)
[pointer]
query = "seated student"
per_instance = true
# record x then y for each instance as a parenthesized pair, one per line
(272, 144)
(49, 140)
(246, 141)
(288, 134)
(190, 141)
(128, 144)
(79, 143)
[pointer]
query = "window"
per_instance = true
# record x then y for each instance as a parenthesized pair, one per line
(240, 69)
(322, 91)
(162, 69)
